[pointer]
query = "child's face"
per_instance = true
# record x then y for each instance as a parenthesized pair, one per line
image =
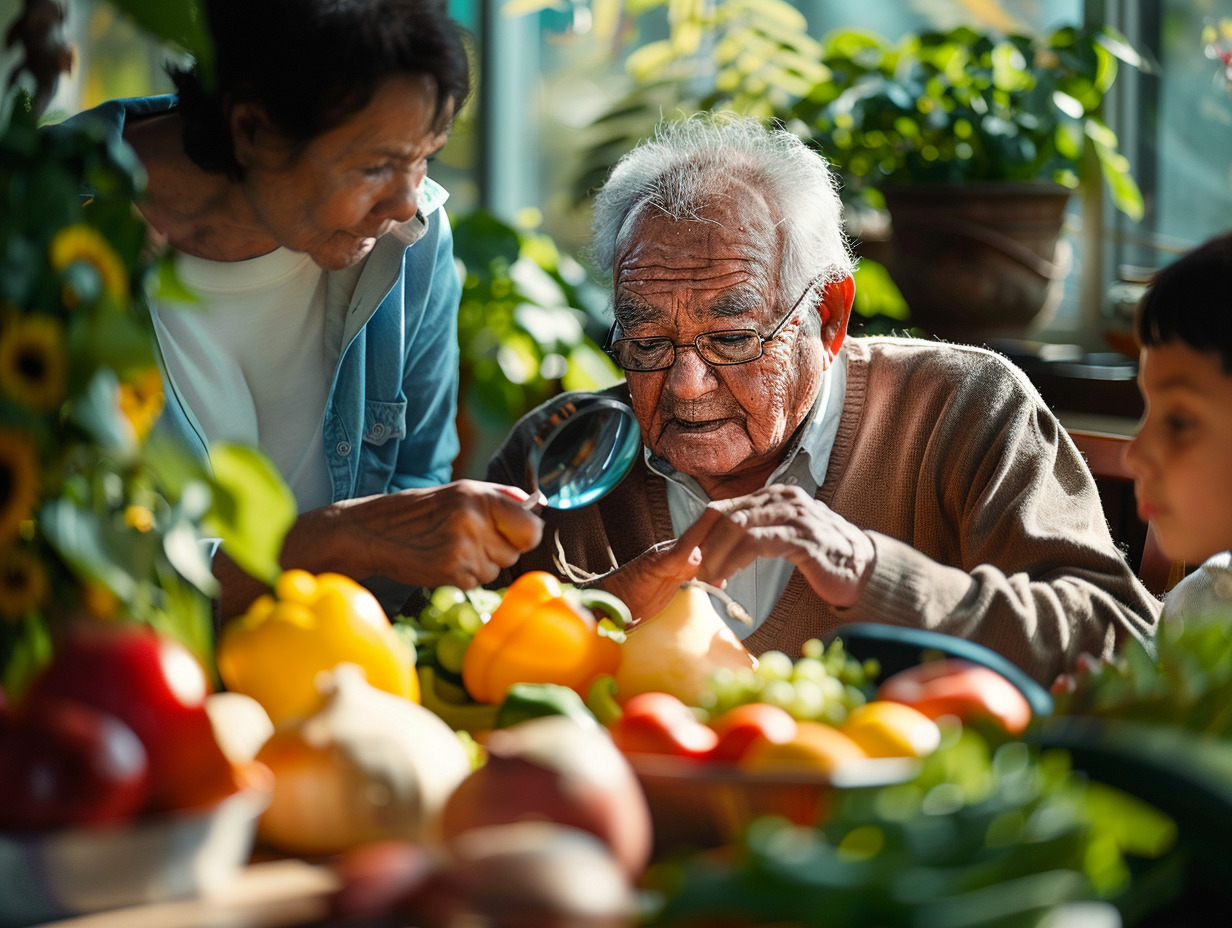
(1182, 457)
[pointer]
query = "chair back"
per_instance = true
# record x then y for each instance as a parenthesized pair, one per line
(1103, 452)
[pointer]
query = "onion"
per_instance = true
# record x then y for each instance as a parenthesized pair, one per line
(552, 768)
(539, 875)
(367, 765)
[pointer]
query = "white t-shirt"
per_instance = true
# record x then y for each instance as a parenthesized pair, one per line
(1205, 593)
(252, 361)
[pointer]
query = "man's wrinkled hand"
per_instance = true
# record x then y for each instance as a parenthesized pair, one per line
(835, 557)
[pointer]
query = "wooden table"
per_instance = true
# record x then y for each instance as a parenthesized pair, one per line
(270, 894)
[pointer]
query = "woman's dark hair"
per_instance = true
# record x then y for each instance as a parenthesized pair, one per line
(1190, 301)
(312, 63)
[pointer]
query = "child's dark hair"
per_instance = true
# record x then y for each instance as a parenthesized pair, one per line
(312, 63)
(1190, 301)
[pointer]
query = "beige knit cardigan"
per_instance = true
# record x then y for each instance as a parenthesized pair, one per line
(986, 522)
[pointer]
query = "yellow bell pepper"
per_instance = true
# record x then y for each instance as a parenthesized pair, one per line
(311, 624)
(536, 635)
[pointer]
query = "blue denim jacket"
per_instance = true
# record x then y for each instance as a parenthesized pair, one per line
(390, 415)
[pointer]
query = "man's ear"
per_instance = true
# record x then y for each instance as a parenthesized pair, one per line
(835, 312)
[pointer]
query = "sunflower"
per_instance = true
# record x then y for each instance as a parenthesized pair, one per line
(18, 481)
(32, 362)
(23, 583)
(81, 242)
(141, 401)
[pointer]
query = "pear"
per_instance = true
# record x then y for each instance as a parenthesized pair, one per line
(677, 650)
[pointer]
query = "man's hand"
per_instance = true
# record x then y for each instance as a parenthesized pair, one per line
(648, 583)
(834, 556)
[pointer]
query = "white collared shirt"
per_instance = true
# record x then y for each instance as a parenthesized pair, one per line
(758, 587)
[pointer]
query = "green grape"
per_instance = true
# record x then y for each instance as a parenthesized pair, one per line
(779, 693)
(774, 665)
(445, 596)
(834, 713)
(451, 650)
(813, 649)
(809, 701)
(810, 669)
(832, 689)
(462, 617)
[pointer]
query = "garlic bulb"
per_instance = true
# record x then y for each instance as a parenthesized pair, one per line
(367, 765)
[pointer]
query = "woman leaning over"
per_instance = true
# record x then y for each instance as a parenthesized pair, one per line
(294, 191)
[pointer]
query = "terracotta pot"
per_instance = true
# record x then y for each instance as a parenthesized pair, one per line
(976, 260)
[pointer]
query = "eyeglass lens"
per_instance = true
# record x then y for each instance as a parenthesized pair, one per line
(733, 347)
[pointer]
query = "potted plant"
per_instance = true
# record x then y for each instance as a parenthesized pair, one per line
(973, 141)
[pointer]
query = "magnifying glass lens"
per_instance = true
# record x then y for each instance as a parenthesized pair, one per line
(587, 454)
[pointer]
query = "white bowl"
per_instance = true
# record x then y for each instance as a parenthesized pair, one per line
(73, 871)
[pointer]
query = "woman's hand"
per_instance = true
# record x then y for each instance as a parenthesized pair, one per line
(462, 534)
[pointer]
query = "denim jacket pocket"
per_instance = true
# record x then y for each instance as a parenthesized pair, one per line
(384, 422)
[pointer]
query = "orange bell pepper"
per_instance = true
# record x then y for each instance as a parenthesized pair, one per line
(536, 635)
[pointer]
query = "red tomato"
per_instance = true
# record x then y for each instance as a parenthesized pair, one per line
(961, 688)
(155, 686)
(742, 727)
(66, 763)
(659, 723)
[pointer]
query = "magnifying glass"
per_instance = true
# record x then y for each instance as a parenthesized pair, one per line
(583, 448)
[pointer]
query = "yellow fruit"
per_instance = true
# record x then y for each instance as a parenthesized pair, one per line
(816, 748)
(891, 729)
(676, 651)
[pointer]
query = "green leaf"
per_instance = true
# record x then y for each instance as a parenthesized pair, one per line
(182, 23)
(876, 293)
(27, 655)
(168, 288)
(96, 412)
(253, 509)
(79, 537)
(189, 616)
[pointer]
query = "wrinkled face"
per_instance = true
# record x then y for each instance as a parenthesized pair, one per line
(335, 196)
(727, 426)
(1182, 455)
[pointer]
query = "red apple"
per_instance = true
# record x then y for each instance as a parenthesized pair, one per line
(65, 763)
(158, 688)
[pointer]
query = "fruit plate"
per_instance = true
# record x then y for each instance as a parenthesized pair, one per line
(704, 804)
(74, 871)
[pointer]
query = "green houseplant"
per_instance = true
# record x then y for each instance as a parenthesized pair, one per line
(940, 113)
(973, 141)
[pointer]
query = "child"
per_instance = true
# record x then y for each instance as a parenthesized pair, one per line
(1182, 456)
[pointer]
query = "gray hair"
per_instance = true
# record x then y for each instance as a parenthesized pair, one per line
(687, 161)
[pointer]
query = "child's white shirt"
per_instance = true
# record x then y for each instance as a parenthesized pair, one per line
(1207, 592)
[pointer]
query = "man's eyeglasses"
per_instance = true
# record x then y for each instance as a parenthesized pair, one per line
(729, 346)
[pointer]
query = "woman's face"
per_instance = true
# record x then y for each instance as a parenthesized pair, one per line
(334, 197)
(1182, 455)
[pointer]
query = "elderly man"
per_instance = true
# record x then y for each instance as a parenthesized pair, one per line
(826, 479)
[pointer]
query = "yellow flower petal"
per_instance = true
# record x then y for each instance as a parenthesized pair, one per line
(81, 242)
